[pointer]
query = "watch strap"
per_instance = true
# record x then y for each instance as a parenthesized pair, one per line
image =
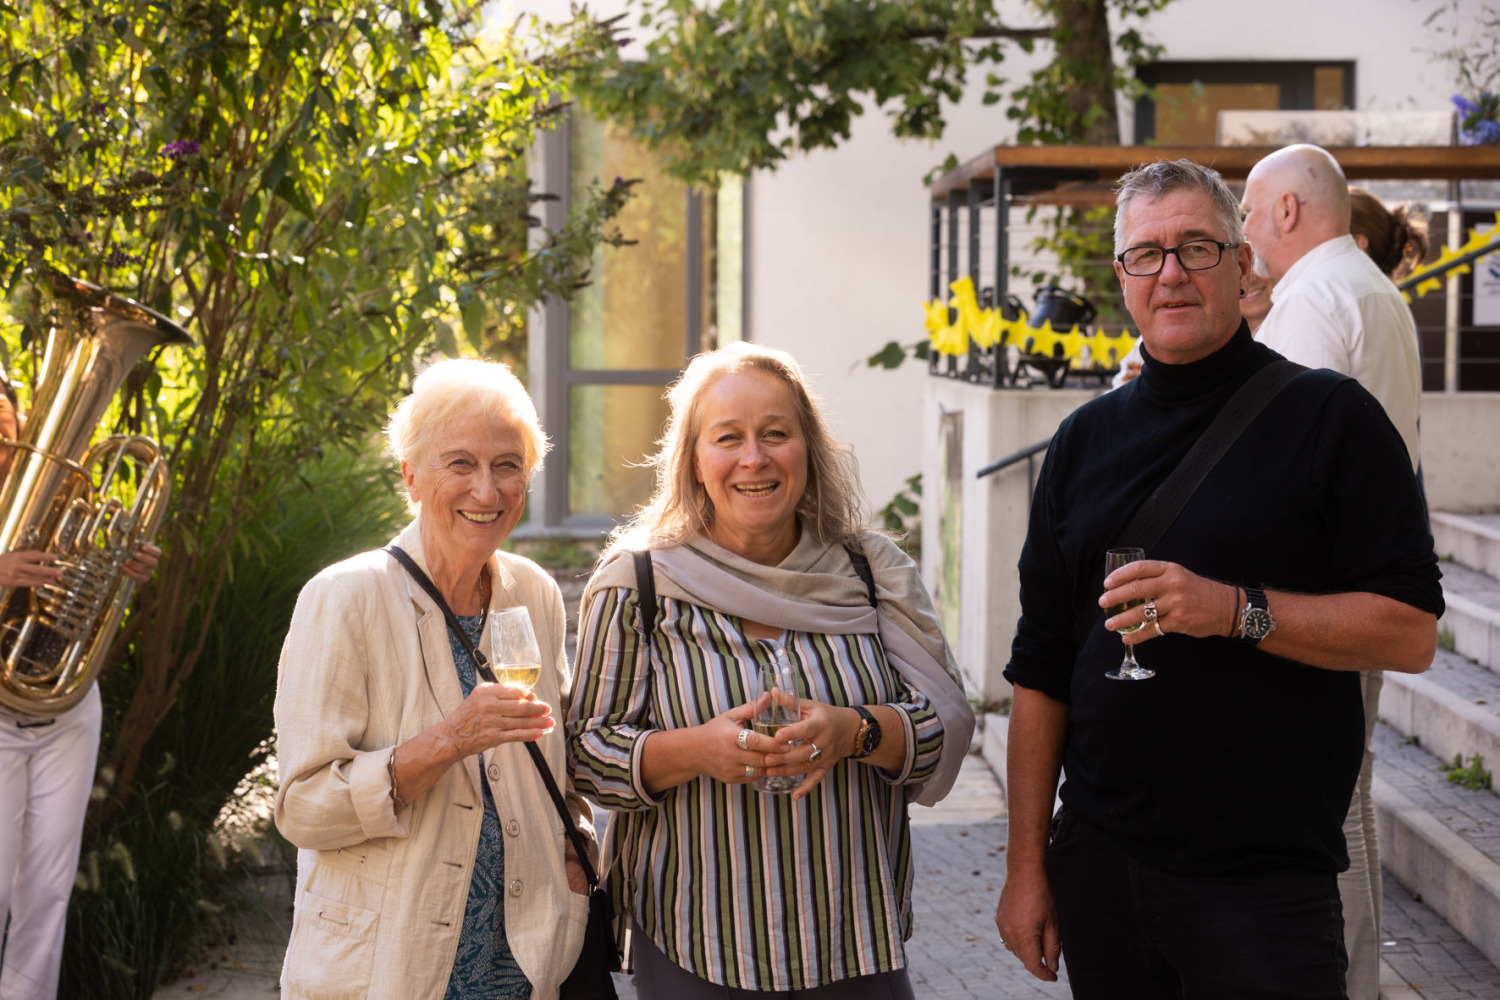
(859, 734)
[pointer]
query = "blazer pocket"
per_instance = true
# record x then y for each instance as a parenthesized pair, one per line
(332, 953)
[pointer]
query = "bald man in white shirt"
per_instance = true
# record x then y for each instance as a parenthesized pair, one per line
(1333, 308)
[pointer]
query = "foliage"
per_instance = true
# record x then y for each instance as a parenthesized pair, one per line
(902, 517)
(894, 353)
(740, 85)
(1472, 776)
(1072, 98)
(125, 931)
(1471, 47)
(320, 193)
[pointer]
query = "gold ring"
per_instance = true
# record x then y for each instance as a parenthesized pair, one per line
(1151, 611)
(749, 771)
(743, 739)
(817, 754)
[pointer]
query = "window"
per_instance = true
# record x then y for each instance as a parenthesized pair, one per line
(609, 354)
(1190, 95)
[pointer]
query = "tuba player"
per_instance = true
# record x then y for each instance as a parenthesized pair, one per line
(46, 774)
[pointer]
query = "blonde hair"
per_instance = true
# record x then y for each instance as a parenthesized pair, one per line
(460, 386)
(832, 505)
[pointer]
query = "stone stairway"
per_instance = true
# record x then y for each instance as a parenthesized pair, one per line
(1439, 840)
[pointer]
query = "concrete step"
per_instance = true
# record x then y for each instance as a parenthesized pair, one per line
(1453, 708)
(1472, 619)
(1438, 839)
(1471, 540)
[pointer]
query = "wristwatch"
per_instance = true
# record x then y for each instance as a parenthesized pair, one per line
(867, 739)
(1255, 618)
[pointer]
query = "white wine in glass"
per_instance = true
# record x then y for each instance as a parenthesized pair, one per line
(514, 655)
(1129, 669)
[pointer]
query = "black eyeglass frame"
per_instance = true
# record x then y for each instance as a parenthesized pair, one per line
(1174, 252)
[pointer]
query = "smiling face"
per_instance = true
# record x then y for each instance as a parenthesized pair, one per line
(1256, 301)
(472, 489)
(1182, 315)
(751, 457)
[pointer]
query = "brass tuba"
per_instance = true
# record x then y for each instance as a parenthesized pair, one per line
(89, 506)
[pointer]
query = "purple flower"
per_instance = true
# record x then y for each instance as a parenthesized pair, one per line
(1476, 120)
(117, 258)
(178, 150)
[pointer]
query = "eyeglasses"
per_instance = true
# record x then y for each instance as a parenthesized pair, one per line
(1194, 255)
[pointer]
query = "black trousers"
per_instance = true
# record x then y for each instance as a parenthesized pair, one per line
(1134, 932)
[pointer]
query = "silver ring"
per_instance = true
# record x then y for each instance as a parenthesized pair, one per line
(1151, 611)
(1157, 625)
(749, 771)
(817, 754)
(743, 739)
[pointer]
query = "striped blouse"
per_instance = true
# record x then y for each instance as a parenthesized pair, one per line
(744, 889)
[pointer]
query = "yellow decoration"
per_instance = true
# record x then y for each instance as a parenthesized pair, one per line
(945, 338)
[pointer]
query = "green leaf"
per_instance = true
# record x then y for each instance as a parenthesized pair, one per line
(889, 356)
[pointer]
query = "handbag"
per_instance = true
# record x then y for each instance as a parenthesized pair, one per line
(1152, 519)
(590, 978)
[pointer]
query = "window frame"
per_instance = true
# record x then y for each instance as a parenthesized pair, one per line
(1295, 80)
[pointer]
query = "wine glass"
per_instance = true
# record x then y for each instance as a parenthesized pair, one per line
(1129, 669)
(775, 707)
(513, 650)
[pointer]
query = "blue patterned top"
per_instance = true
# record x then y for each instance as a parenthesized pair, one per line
(484, 968)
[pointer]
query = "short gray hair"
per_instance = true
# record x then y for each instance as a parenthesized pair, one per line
(463, 388)
(1159, 179)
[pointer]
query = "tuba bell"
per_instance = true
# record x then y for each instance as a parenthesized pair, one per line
(89, 506)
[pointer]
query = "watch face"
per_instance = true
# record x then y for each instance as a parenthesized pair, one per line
(1258, 623)
(869, 740)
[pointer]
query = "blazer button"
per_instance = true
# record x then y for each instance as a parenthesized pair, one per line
(494, 772)
(516, 887)
(513, 828)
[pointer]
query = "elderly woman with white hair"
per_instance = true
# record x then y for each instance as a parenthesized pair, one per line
(432, 862)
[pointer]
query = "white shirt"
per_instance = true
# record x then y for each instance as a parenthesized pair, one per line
(1335, 309)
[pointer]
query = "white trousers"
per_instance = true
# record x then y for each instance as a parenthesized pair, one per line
(46, 774)
(1359, 887)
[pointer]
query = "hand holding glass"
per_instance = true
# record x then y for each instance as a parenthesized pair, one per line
(514, 654)
(1129, 669)
(776, 706)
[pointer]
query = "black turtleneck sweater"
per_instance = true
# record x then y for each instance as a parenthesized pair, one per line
(1229, 759)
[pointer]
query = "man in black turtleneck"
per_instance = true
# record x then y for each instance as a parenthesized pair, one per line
(1200, 835)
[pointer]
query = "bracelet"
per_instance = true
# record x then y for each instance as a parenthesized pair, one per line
(390, 766)
(1234, 613)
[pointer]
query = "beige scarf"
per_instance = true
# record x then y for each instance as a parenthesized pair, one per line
(815, 589)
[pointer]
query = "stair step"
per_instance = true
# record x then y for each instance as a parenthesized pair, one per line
(1439, 839)
(1473, 613)
(1453, 708)
(1471, 540)
(1422, 957)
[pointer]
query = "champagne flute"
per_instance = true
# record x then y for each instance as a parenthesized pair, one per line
(1129, 669)
(514, 654)
(776, 707)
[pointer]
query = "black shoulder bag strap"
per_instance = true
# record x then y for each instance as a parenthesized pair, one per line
(482, 665)
(645, 587)
(862, 568)
(1155, 516)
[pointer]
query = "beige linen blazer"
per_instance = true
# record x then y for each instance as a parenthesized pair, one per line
(380, 897)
